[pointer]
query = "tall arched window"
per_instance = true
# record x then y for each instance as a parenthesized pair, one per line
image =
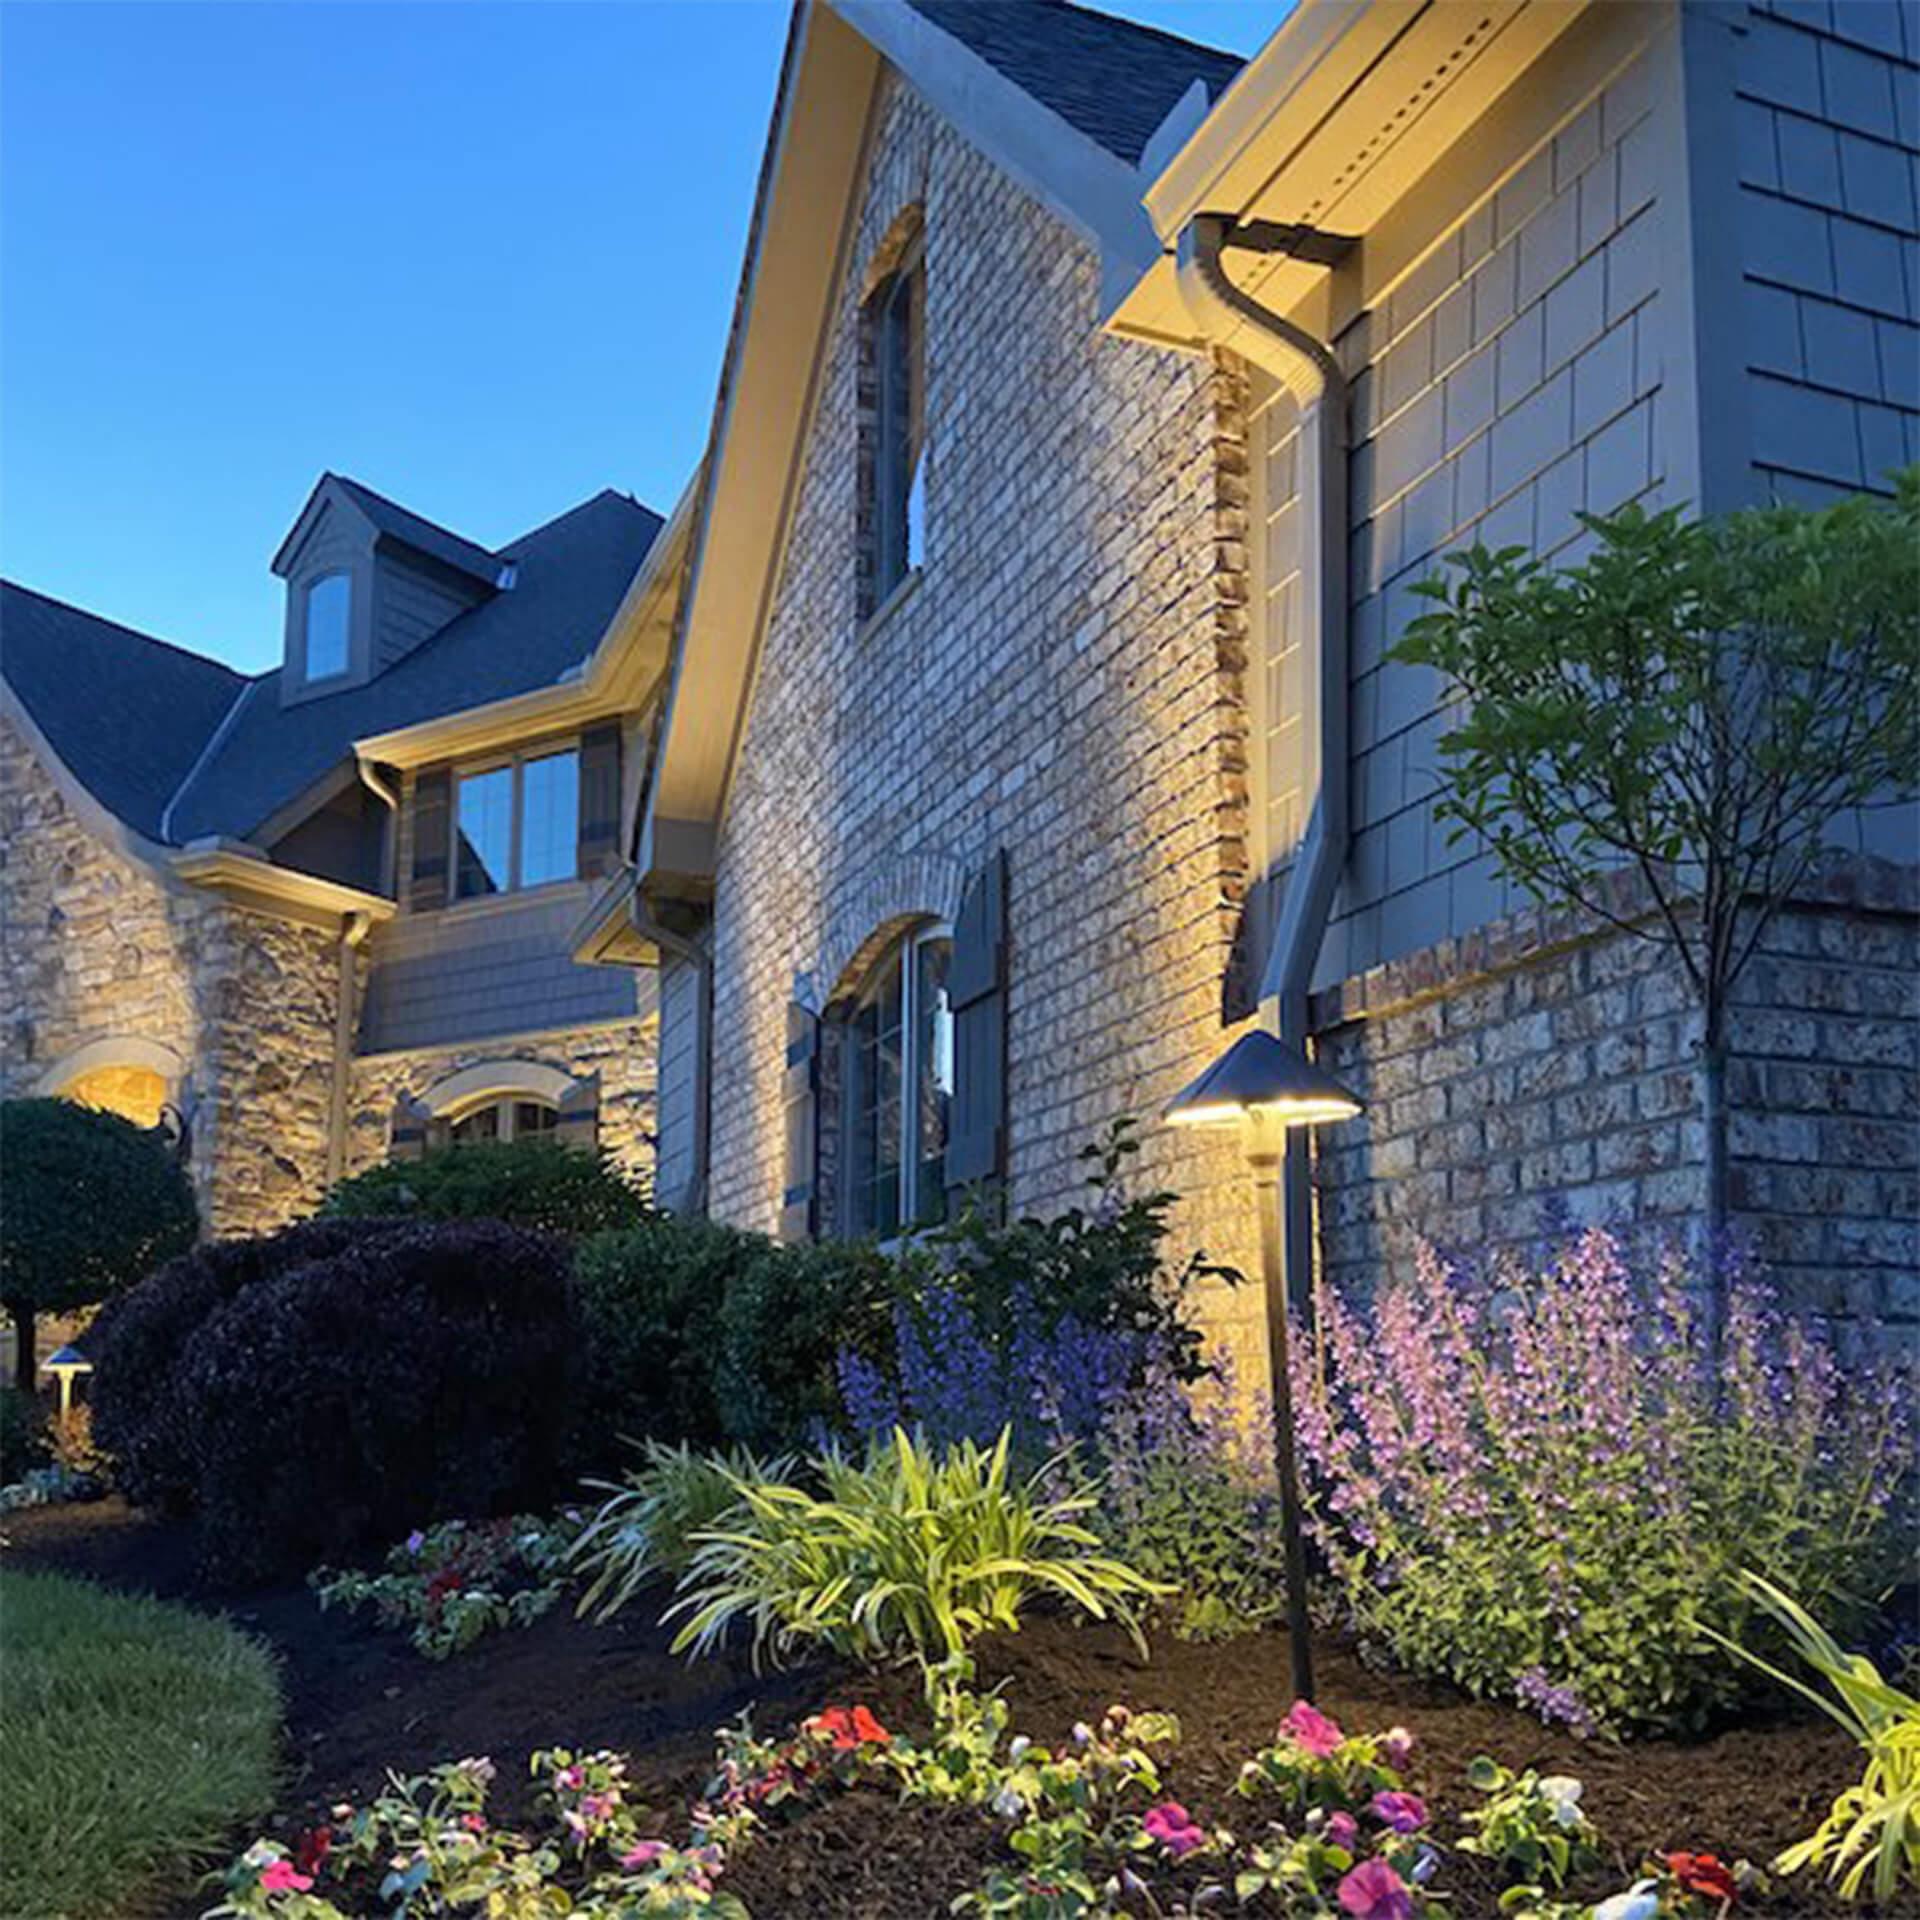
(329, 616)
(894, 323)
(897, 1089)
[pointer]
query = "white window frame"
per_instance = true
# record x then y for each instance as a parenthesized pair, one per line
(506, 1103)
(516, 761)
(903, 953)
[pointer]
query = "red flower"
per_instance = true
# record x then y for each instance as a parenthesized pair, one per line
(1703, 1873)
(847, 1728)
(311, 1849)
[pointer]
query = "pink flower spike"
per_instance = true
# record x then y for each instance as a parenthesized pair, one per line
(281, 1876)
(1373, 1891)
(1403, 1812)
(1310, 1730)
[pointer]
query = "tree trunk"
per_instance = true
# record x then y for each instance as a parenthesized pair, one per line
(1715, 1202)
(25, 1373)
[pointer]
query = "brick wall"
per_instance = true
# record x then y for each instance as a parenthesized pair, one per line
(1063, 682)
(1534, 1067)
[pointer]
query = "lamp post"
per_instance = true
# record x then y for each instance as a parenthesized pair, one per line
(66, 1364)
(1265, 1088)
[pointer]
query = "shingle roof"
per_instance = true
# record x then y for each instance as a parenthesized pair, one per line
(1113, 80)
(423, 535)
(96, 689)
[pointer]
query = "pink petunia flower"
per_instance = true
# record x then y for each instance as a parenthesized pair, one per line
(1310, 1730)
(644, 1855)
(1373, 1891)
(1343, 1830)
(1173, 1827)
(282, 1876)
(1403, 1812)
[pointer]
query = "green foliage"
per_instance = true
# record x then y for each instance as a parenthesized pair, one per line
(426, 1848)
(645, 1529)
(448, 1585)
(698, 1333)
(90, 1204)
(23, 1433)
(903, 1554)
(528, 1183)
(1697, 700)
(1532, 1828)
(1876, 1824)
(136, 1734)
(1103, 1264)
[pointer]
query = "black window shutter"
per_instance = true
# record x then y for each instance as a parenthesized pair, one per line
(799, 1204)
(578, 1121)
(407, 1132)
(432, 830)
(599, 801)
(977, 986)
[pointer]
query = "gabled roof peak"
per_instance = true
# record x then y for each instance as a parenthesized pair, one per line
(389, 518)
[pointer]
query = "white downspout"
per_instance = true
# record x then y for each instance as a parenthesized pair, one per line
(1306, 367)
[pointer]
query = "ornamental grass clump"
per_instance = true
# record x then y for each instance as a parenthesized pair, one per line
(908, 1553)
(1539, 1484)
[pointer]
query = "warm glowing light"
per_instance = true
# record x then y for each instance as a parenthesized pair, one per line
(1261, 1077)
(135, 1093)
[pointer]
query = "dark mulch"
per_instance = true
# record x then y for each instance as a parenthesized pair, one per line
(360, 1701)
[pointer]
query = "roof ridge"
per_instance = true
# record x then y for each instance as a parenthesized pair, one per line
(132, 633)
(510, 548)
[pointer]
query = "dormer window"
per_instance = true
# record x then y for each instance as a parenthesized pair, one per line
(329, 626)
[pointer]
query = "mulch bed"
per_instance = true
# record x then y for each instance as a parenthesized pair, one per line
(360, 1701)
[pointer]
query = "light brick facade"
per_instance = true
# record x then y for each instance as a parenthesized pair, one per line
(1063, 682)
(1084, 676)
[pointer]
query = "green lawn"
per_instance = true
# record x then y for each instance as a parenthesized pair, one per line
(134, 1738)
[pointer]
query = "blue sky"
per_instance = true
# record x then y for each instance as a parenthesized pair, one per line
(478, 255)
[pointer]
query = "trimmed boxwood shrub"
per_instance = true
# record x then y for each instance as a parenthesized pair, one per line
(699, 1332)
(142, 1416)
(530, 1183)
(358, 1380)
(90, 1203)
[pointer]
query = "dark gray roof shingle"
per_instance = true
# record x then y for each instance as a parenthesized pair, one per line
(131, 716)
(128, 714)
(1113, 80)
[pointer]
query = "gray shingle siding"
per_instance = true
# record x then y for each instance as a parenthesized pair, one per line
(466, 974)
(1828, 111)
(411, 606)
(1510, 382)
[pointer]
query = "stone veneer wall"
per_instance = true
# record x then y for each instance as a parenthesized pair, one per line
(97, 945)
(622, 1053)
(1535, 1065)
(1082, 709)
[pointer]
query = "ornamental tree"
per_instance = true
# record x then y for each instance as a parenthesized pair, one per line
(89, 1203)
(1668, 734)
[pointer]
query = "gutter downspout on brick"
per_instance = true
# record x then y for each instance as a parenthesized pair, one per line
(689, 951)
(354, 928)
(1306, 367)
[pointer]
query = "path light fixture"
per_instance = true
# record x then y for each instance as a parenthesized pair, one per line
(1267, 1089)
(66, 1364)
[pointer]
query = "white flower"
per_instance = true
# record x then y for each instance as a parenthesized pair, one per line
(1082, 1734)
(1562, 1793)
(1017, 1748)
(1641, 1901)
(1008, 1804)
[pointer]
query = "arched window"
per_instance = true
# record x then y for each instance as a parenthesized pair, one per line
(897, 1088)
(512, 1118)
(135, 1093)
